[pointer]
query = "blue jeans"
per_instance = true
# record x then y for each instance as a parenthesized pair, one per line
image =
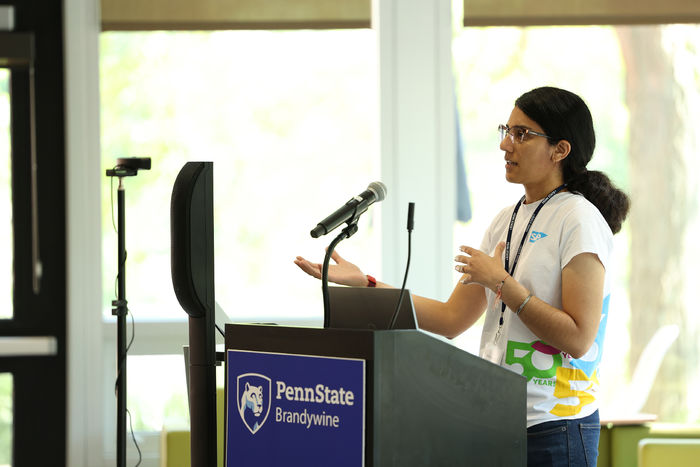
(569, 443)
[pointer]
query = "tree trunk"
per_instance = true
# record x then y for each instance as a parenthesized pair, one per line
(657, 220)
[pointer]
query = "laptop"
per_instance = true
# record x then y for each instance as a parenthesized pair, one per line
(369, 308)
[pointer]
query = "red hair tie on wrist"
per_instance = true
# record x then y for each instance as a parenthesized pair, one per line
(371, 281)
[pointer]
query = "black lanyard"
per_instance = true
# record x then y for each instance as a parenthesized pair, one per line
(522, 240)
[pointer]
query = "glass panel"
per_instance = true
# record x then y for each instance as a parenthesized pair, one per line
(289, 119)
(487, 86)
(606, 66)
(157, 392)
(6, 415)
(6, 237)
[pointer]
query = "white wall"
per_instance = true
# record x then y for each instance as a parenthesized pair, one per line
(418, 141)
(84, 238)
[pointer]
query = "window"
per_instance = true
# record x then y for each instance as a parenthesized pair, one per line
(632, 114)
(6, 416)
(6, 237)
(273, 110)
(289, 119)
(157, 383)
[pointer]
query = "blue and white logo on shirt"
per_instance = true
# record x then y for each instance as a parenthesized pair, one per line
(534, 236)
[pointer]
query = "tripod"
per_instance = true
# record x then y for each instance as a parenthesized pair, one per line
(125, 168)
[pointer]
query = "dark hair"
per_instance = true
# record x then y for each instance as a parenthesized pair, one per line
(565, 116)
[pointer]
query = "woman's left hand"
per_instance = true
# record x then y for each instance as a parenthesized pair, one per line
(480, 268)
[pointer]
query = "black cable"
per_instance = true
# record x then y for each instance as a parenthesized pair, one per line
(116, 384)
(219, 329)
(403, 286)
(111, 199)
(116, 278)
(134, 438)
(133, 330)
(121, 361)
(409, 228)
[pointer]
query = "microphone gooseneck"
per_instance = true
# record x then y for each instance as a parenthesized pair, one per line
(409, 227)
(347, 232)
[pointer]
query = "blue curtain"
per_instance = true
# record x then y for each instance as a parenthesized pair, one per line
(464, 209)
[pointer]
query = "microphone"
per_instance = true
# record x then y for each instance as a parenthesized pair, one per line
(409, 227)
(409, 220)
(376, 191)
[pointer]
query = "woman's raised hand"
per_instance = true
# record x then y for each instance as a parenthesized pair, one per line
(343, 272)
(478, 267)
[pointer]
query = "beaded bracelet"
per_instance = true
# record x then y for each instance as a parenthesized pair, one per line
(500, 286)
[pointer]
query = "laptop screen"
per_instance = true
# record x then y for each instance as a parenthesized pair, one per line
(369, 308)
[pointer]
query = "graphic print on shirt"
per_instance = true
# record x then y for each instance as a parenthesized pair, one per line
(573, 383)
(589, 362)
(542, 366)
(537, 359)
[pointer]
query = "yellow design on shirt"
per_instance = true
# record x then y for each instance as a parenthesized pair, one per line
(564, 389)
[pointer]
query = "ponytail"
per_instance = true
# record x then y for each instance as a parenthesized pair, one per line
(597, 188)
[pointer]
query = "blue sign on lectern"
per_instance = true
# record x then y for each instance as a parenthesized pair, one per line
(294, 410)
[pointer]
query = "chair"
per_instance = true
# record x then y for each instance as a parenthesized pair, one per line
(175, 444)
(658, 452)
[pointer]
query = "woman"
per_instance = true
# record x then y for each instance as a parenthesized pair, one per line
(539, 275)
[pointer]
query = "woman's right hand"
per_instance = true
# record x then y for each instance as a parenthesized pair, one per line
(343, 272)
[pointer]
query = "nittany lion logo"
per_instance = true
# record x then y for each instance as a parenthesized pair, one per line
(254, 399)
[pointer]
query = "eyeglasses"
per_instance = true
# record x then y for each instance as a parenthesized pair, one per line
(518, 134)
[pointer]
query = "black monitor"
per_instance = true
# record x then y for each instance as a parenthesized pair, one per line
(192, 270)
(369, 308)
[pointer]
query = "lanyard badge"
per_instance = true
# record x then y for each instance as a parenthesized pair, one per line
(511, 270)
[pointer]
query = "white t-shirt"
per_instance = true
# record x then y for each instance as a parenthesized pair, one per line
(559, 387)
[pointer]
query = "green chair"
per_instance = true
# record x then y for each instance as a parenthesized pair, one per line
(619, 443)
(662, 452)
(175, 444)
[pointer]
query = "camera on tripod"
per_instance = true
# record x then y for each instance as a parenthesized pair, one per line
(129, 166)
